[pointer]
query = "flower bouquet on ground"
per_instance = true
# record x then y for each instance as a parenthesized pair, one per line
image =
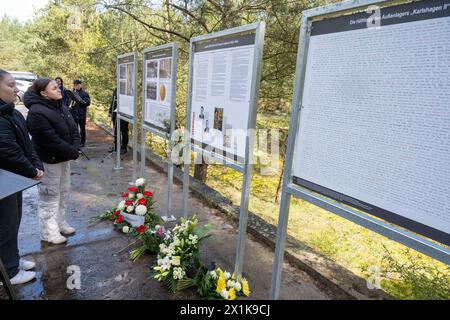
(219, 285)
(135, 209)
(178, 254)
(151, 238)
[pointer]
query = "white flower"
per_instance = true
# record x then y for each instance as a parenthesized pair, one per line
(230, 283)
(141, 210)
(237, 286)
(176, 260)
(121, 205)
(130, 209)
(126, 229)
(193, 238)
(227, 275)
(140, 196)
(140, 182)
(213, 274)
(224, 293)
(131, 196)
(178, 273)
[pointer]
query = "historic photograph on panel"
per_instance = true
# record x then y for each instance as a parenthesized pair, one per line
(123, 73)
(130, 87)
(218, 118)
(123, 87)
(152, 69)
(164, 91)
(165, 67)
(151, 90)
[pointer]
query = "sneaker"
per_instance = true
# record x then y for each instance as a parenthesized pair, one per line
(59, 239)
(123, 150)
(67, 230)
(23, 277)
(26, 265)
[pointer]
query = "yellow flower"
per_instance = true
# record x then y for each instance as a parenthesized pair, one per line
(232, 294)
(245, 288)
(220, 285)
(221, 274)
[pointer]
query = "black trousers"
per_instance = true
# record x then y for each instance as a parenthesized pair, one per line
(81, 122)
(10, 217)
(123, 133)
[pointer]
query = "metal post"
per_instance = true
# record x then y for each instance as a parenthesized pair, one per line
(171, 130)
(283, 219)
(187, 135)
(118, 136)
(143, 132)
(249, 149)
(143, 136)
(285, 196)
(135, 120)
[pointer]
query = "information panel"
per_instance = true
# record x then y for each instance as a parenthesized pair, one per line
(374, 130)
(222, 76)
(126, 85)
(158, 88)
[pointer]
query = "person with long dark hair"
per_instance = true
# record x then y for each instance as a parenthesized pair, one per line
(65, 100)
(56, 139)
(16, 155)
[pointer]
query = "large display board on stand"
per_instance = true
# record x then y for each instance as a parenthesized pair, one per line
(159, 87)
(370, 121)
(127, 103)
(158, 75)
(374, 127)
(126, 85)
(221, 88)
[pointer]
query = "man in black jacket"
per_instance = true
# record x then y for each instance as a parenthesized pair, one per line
(123, 126)
(16, 155)
(80, 101)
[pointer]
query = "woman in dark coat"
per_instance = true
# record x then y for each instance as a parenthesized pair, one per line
(56, 139)
(16, 155)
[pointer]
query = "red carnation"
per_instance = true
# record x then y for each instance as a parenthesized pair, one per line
(116, 213)
(125, 195)
(148, 194)
(133, 189)
(129, 202)
(119, 219)
(142, 201)
(141, 229)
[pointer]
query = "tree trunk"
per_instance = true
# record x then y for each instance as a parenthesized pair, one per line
(201, 172)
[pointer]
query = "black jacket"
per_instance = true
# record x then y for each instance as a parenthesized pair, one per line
(16, 151)
(55, 133)
(113, 104)
(80, 100)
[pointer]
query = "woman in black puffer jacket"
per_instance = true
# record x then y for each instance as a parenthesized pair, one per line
(16, 155)
(56, 139)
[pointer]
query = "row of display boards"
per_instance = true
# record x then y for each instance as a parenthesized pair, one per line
(369, 136)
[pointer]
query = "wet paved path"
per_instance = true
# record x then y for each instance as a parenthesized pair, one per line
(106, 271)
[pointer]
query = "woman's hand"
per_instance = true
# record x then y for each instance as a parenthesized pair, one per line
(39, 175)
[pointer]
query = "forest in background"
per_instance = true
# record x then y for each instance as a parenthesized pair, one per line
(81, 40)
